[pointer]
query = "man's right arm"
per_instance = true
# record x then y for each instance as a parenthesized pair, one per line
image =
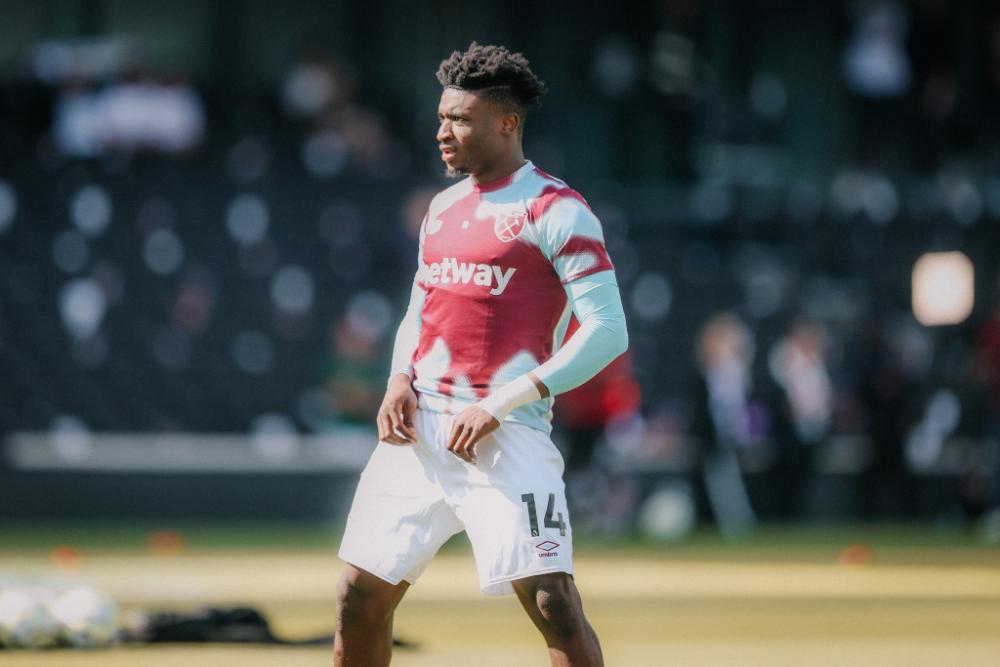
(395, 416)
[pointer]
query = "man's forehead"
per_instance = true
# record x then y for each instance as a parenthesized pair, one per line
(455, 99)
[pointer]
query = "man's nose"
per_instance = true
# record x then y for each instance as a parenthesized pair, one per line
(444, 131)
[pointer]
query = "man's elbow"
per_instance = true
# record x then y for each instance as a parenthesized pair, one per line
(621, 339)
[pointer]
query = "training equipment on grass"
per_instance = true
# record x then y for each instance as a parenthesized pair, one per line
(25, 620)
(87, 618)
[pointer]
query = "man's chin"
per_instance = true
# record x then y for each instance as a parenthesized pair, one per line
(453, 172)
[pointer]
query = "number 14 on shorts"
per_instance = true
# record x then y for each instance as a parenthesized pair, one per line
(529, 500)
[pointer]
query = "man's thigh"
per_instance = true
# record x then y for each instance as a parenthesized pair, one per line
(514, 510)
(399, 517)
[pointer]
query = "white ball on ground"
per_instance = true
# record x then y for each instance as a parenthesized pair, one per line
(25, 621)
(87, 618)
(668, 514)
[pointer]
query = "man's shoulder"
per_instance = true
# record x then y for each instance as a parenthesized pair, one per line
(451, 194)
(550, 191)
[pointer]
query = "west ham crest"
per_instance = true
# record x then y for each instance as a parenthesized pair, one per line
(507, 226)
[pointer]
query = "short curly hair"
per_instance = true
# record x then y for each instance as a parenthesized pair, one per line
(499, 75)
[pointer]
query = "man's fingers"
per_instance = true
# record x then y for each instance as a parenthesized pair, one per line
(382, 424)
(399, 429)
(456, 432)
(386, 430)
(463, 443)
(406, 427)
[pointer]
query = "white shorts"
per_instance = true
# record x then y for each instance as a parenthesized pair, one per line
(512, 504)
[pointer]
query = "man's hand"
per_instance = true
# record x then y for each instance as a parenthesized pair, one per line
(469, 427)
(395, 417)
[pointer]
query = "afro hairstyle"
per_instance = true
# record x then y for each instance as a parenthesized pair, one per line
(501, 76)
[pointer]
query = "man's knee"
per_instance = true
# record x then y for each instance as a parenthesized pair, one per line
(360, 602)
(558, 604)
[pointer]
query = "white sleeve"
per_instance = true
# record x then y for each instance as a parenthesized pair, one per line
(602, 335)
(408, 335)
(571, 237)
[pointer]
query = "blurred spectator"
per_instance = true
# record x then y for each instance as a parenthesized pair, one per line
(354, 375)
(803, 412)
(988, 371)
(877, 71)
(886, 391)
(584, 413)
(585, 417)
(320, 93)
(728, 418)
(136, 113)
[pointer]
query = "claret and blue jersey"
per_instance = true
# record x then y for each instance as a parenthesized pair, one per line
(491, 300)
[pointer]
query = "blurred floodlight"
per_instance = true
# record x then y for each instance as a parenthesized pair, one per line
(763, 294)
(370, 315)
(253, 352)
(652, 296)
(8, 205)
(308, 90)
(325, 154)
(965, 203)
(710, 201)
(71, 438)
(767, 96)
(247, 219)
(847, 193)
(82, 304)
(274, 437)
(163, 252)
(90, 210)
(70, 251)
(943, 288)
(292, 290)
(879, 200)
(616, 67)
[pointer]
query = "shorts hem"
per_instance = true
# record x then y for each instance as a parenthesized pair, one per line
(504, 585)
(383, 575)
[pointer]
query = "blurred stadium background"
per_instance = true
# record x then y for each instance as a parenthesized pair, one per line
(207, 222)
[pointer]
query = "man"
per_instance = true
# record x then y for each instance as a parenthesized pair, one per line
(506, 256)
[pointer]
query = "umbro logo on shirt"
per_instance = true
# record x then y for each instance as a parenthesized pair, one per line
(451, 271)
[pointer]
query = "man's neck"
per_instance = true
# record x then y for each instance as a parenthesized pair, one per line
(501, 171)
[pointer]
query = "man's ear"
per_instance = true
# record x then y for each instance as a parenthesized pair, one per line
(510, 123)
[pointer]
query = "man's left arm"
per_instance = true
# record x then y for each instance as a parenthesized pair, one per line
(602, 336)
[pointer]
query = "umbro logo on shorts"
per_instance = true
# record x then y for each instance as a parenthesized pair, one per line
(547, 549)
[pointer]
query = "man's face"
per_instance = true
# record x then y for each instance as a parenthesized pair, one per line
(470, 132)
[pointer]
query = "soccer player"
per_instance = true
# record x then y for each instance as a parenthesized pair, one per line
(506, 256)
